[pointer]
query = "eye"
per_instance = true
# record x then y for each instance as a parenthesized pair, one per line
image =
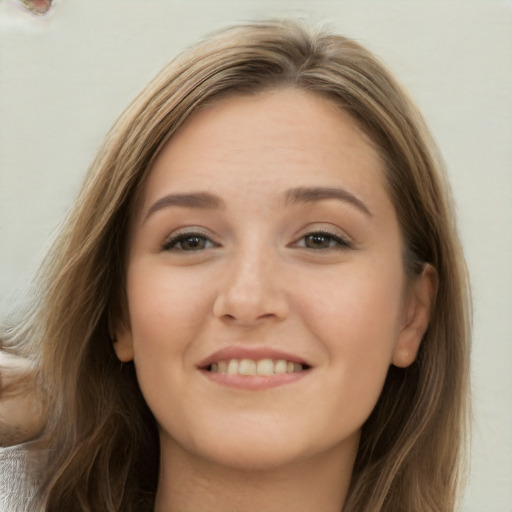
(323, 240)
(187, 242)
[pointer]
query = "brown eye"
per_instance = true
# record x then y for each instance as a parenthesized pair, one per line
(321, 240)
(318, 241)
(187, 242)
(193, 243)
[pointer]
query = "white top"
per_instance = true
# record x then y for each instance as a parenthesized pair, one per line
(15, 492)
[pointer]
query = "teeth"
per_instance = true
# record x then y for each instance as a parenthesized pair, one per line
(233, 367)
(252, 367)
(247, 367)
(280, 366)
(265, 367)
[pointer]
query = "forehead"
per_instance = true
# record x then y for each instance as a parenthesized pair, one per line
(265, 142)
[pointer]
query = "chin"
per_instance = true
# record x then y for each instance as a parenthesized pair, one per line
(241, 445)
(255, 456)
(263, 446)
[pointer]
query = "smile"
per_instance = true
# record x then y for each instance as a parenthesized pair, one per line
(248, 367)
(253, 368)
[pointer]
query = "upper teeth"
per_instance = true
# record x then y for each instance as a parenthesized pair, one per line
(252, 367)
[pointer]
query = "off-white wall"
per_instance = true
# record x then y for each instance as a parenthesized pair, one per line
(64, 79)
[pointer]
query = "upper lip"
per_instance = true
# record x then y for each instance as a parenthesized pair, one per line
(255, 353)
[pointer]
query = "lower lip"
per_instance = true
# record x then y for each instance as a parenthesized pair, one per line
(254, 382)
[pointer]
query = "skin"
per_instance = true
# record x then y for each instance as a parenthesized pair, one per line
(258, 280)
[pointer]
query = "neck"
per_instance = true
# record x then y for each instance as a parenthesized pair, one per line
(189, 484)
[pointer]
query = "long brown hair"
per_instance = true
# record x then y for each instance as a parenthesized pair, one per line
(100, 439)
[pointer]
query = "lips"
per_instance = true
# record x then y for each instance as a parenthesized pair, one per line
(253, 367)
(252, 354)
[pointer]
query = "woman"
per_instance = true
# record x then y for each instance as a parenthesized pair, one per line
(259, 300)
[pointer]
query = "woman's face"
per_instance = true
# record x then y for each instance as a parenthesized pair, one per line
(266, 290)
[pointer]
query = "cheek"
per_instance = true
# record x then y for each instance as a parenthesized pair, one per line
(166, 314)
(163, 302)
(355, 316)
(361, 305)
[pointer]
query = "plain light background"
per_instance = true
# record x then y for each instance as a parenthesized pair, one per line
(65, 77)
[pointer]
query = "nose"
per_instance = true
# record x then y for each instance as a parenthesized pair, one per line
(251, 292)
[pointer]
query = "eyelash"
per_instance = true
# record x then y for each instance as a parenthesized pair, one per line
(341, 242)
(171, 243)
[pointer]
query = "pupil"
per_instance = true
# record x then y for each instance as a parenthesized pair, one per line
(194, 242)
(318, 241)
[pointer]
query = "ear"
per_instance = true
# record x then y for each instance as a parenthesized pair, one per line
(121, 335)
(418, 304)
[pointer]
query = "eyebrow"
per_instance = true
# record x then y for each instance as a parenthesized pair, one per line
(203, 200)
(313, 194)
